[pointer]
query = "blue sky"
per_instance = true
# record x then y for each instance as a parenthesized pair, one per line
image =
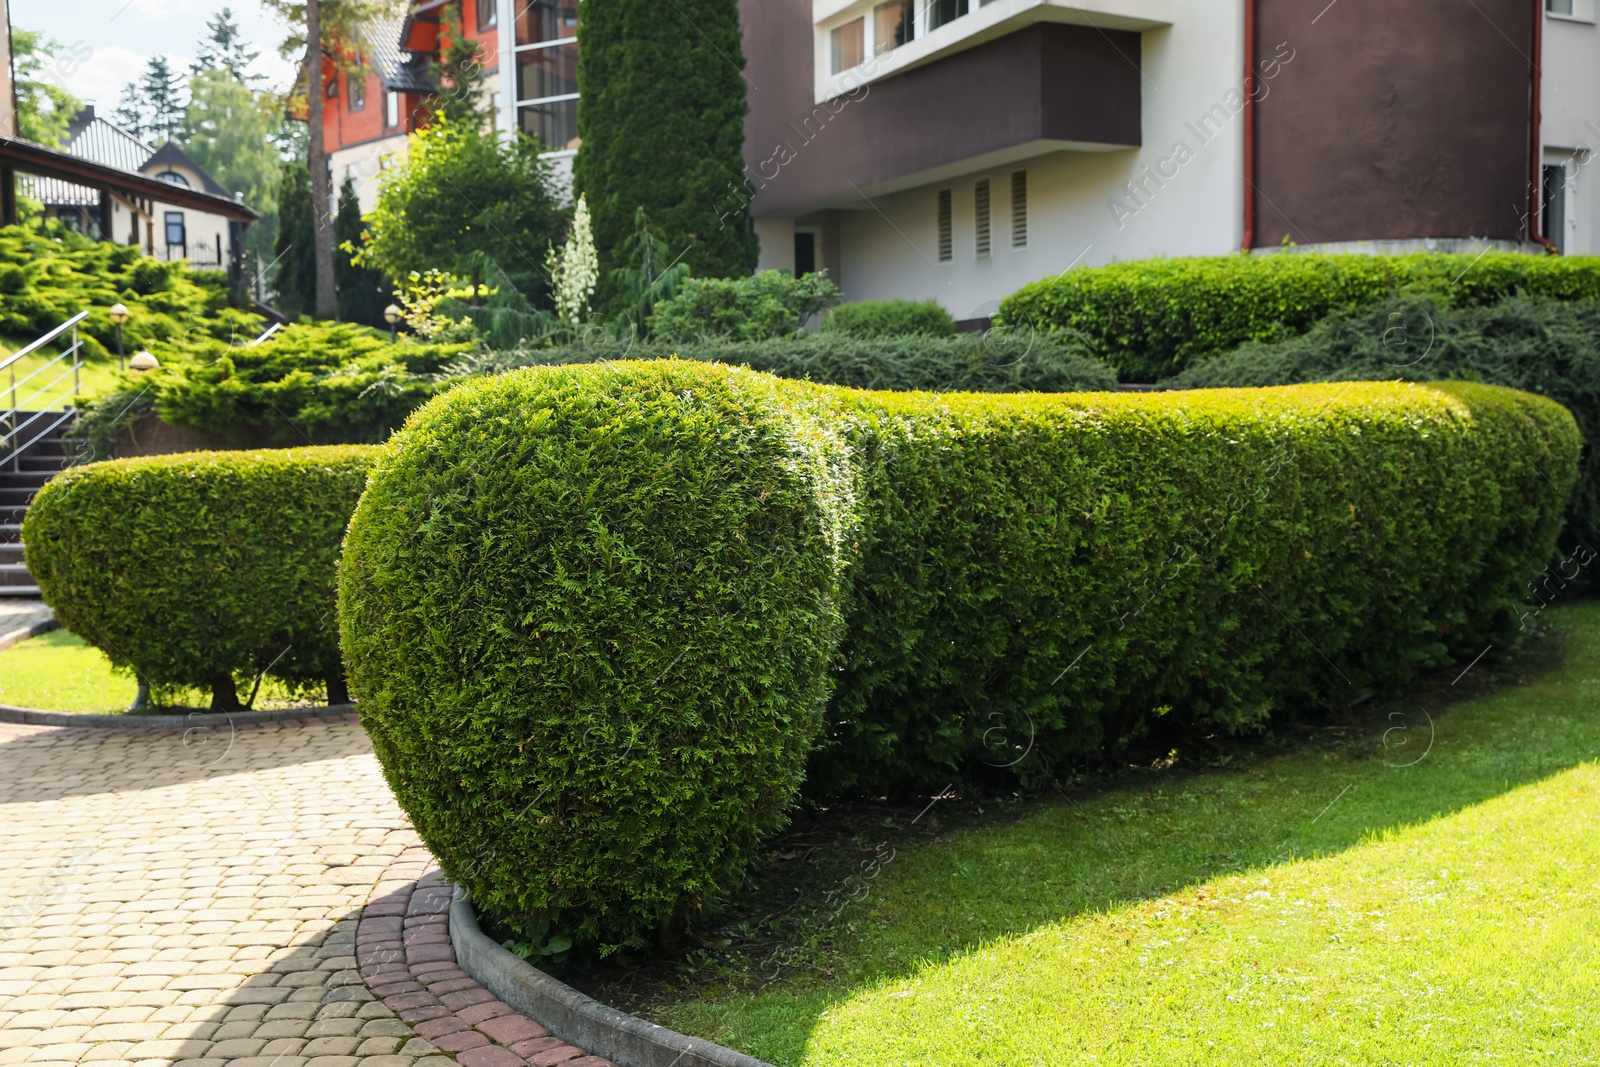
(115, 38)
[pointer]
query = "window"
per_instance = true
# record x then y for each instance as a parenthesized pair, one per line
(546, 20)
(1553, 205)
(546, 72)
(554, 123)
(332, 92)
(980, 210)
(1558, 7)
(488, 16)
(356, 93)
(849, 45)
(1019, 209)
(946, 228)
(172, 177)
(175, 229)
(391, 109)
(943, 11)
(892, 26)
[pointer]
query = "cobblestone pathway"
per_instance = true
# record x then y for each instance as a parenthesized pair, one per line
(171, 898)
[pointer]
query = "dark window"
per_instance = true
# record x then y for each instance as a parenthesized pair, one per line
(175, 229)
(946, 228)
(555, 124)
(546, 20)
(356, 90)
(980, 209)
(487, 14)
(1558, 7)
(1553, 206)
(547, 72)
(333, 89)
(1019, 209)
(893, 26)
(943, 11)
(172, 177)
(805, 253)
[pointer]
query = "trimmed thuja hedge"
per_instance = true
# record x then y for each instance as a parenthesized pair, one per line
(604, 620)
(202, 570)
(1151, 318)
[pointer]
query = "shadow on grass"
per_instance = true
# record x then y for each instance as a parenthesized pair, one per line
(1452, 745)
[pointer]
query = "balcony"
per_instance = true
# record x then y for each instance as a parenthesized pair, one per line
(864, 41)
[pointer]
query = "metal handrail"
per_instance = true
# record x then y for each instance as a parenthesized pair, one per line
(13, 430)
(274, 328)
(46, 339)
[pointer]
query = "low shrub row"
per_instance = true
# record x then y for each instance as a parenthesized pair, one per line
(202, 570)
(1540, 345)
(604, 620)
(997, 362)
(1152, 318)
(890, 318)
(46, 280)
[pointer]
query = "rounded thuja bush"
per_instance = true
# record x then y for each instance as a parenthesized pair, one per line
(540, 557)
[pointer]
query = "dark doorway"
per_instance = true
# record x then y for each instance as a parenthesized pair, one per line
(805, 253)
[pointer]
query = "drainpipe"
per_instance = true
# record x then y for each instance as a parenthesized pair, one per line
(1535, 138)
(1249, 127)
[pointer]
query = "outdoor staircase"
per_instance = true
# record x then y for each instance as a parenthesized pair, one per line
(21, 476)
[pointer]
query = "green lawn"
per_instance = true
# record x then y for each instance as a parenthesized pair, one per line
(57, 671)
(96, 379)
(1327, 907)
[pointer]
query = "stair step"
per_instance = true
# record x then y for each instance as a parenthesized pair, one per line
(20, 592)
(14, 574)
(29, 480)
(11, 552)
(12, 516)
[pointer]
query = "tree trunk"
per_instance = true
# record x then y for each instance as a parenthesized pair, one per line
(224, 697)
(317, 163)
(338, 691)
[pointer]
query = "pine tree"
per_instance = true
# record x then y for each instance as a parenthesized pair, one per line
(224, 48)
(152, 108)
(362, 296)
(662, 128)
(295, 278)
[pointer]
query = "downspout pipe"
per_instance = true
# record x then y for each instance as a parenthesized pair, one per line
(1249, 239)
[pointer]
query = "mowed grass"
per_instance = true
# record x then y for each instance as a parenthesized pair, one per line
(57, 671)
(96, 378)
(1335, 907)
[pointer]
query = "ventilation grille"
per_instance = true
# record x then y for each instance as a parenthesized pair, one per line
(980, 205)
(946, 228)
(1019, 209)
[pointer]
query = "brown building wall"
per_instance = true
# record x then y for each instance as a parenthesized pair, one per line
(1044, 82)
(1396, 119)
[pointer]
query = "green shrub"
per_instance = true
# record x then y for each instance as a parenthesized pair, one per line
(890, 318)
(994, 362)
(1540, 345)
(44, 281)
(1151, 318)
(592, 613)
(636, 530)
(773, 303)
(204, 569)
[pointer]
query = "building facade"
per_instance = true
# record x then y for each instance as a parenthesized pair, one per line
(959, 149)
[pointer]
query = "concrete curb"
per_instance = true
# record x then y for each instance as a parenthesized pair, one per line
(35, 717)
(581, 1020)
(16, 637)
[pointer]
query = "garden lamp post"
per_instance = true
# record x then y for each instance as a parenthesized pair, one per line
(119, 315)
(391, 315)
(143, 361)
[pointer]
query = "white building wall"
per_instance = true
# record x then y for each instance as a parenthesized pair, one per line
(365, 166)
(1080, 209)
(1570, 105)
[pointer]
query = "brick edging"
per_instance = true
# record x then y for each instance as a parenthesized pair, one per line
(403, 949)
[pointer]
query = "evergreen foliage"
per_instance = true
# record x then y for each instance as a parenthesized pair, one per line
(295, 276)
(662, 127)
(362, 292)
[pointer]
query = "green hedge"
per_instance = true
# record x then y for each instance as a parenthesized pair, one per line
(1541, 345)
(202, 569)
(890, 318)
(1151, 318)
(996, 362)
(593, 613)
